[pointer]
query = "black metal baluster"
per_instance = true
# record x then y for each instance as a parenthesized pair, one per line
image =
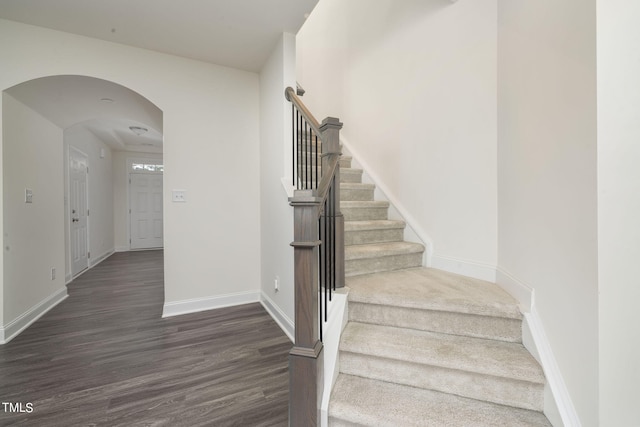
(298, 148)
(317, 165)
(293, 145)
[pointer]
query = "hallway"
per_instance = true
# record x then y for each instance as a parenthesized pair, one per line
(104, 356)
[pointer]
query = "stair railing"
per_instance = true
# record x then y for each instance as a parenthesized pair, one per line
(318, 252)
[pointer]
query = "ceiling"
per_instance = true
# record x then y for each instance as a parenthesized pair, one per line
(234, 33)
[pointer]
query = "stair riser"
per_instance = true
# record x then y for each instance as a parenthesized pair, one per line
(496, 328)
(356, 195)
(364, 214)
(355, 267)
(345, 162)
(363, 237)
(504, 391)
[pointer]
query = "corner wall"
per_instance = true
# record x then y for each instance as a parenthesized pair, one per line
(618, 211)
(414, 83)
(547, 200)
(276, 225)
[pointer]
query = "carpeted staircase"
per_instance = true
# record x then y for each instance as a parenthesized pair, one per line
(424, 347)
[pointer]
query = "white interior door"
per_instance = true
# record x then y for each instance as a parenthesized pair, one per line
(145, 190)
(78, 210)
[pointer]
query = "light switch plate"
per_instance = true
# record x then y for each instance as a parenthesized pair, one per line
(28, 195)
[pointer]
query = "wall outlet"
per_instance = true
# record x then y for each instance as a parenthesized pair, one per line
(179, 196)
(28, 195)
(276, 283)
(53, 273)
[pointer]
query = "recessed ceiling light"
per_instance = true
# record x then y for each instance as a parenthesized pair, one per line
(107, 100)
(138, 130)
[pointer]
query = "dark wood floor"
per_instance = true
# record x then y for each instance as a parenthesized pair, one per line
(105, 357)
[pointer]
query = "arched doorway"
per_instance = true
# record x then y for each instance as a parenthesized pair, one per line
(66, 141)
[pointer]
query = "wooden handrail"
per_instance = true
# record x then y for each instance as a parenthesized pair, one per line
(290, 95)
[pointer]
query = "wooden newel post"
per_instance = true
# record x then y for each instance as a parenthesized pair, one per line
(330, 129)
(306, 357)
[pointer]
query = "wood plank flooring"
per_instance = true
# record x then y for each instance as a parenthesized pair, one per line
(105, 357)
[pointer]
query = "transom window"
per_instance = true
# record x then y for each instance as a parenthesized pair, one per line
(146, 167)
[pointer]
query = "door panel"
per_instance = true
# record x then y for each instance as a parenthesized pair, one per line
(146, 211)
(79, 210)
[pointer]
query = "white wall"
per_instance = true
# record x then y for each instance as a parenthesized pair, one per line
(414, 83)
(276, 229)
(211, 150)
(547, 177)
(33, 232)
(618, 210)
(100, 180)
(121, 218)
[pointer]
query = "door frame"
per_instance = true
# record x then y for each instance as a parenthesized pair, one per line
(129, 170)
(68, 213)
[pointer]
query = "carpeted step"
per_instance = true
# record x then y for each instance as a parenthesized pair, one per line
(380, 231)
(356, 191)
(365, 259)
(345, 161)
(494, 371)
(364, 211)
(347, 175)
(350, 175)
(366, 402)
(435, 300)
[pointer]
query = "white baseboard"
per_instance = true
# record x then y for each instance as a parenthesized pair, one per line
(517, 289)
(195, 305)
(22, 322)
(464, 267)
(383, 191)
(337, 320)
(122, 249)
(535, 340)
(285, 323)
(93, 262)
(563, 403)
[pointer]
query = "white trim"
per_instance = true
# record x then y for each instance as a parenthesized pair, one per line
(386, 193)
(561, 395)
(464, 267)
(195, 305)
(22, 322)
(122, 249)
(287, 185)
(517, 289)
(537, 343)
(337, 318)
(98, 260)
(279, 316)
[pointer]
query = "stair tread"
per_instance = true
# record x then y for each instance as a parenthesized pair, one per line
(476, 355)
(432, 289)
(376, 403)
(375, 250)
(348, 204)
(379, 224)
(356, 186)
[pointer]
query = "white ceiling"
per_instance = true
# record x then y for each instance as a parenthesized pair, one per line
(234, 33)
